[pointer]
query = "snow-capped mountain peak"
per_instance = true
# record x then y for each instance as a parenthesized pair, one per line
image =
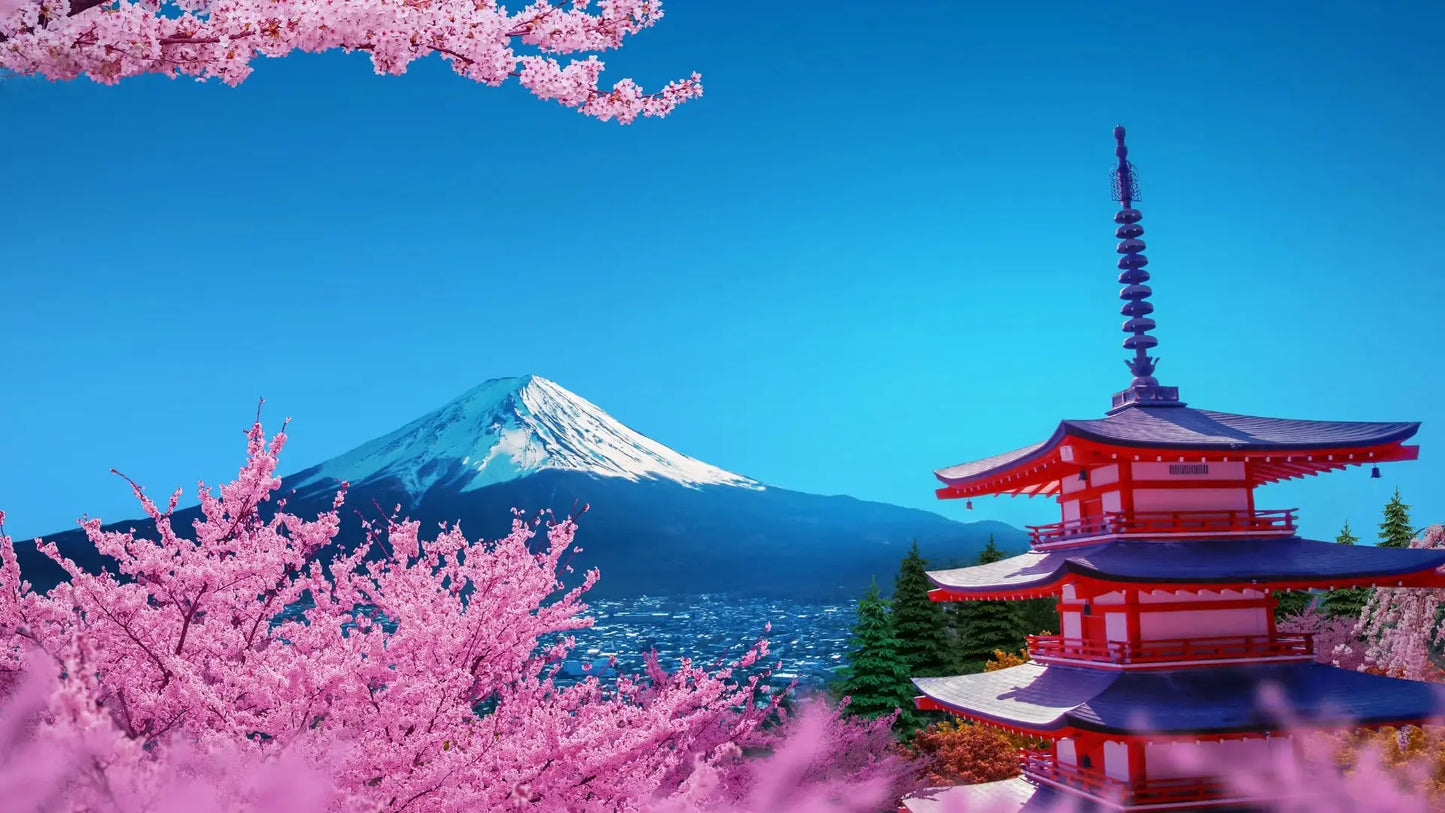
(508, 428)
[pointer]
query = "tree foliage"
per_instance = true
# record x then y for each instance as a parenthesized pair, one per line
(918, 621)
(959, 753)
(414, 679)
(1346, 602)
(1396, 530)
(206, 39)
(982, 627)
(875, 680)
(1402, 625)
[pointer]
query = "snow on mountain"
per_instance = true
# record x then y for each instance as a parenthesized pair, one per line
(505, 429)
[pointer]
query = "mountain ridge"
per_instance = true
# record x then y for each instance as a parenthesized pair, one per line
(660, 522)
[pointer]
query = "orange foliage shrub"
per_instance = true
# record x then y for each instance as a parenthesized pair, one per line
(962, 753)
(1003, 660)
(1415, 755)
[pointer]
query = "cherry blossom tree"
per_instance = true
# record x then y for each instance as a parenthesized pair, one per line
(1402, 625)
(407, 674)
(109, 40)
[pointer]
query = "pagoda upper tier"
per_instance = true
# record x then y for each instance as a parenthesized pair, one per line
(1265, 450)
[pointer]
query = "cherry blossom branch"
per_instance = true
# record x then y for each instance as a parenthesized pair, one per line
(479, 39)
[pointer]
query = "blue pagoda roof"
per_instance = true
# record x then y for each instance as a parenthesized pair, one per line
(1185, 428)
(1192, 561)
(1214, 700)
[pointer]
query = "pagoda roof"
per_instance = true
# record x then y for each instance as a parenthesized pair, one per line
(1197, 561)
(1192, 700)
(1016, 795)
(1181, 428)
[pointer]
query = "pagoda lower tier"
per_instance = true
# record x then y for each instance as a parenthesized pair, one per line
(1137, 740)
(1056, 701)
(1169, 657)
(1281, 563)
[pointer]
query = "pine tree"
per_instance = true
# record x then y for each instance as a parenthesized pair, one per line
(876, 677)
(1292, 602)
(1396, 531)
(981, 627)
(1346, 602)
(1040, 615)
(917, 620)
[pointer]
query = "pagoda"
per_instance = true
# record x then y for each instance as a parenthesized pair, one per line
(1166, 575)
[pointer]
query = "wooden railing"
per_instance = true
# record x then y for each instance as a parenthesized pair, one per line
(1181, 649)
(1042, 765)
(1165, 522)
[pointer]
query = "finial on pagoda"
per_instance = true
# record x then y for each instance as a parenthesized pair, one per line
(1144, 390)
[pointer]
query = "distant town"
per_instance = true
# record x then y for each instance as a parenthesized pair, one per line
(809, 639)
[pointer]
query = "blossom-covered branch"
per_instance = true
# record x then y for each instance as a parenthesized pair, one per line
(115, 39)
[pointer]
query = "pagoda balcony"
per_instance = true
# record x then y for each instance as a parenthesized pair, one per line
(1043, 767)
(1173, 523)
(1124, 653)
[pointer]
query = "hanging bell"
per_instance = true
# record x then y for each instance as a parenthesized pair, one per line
(1374, 472)
(968, 505)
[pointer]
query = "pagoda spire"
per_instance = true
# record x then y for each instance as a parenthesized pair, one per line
(1144, 390)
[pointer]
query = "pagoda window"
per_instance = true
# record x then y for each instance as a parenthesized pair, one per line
(1116, 760)
(1104, 475)
(1065, 752)
(1071, 510)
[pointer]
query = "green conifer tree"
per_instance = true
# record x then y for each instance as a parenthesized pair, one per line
(876, 675)
(1346, 602)
(980, 627)
(1292, 602)
(917, 620)
(1396, 531)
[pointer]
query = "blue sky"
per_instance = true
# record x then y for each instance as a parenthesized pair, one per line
(879, 245)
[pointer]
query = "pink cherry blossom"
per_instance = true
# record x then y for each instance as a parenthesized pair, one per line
(408, 674)
(206, 39)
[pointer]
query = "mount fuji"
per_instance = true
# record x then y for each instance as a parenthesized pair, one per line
(659, 522)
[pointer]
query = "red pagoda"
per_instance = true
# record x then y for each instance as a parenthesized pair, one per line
(1165, 573)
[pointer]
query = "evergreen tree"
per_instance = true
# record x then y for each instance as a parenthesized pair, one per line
(917, 620)
(1292, 602)
(981, 627)
(990, 553)
(876, 677)
(1396, 531)
(1040, 615)
(1346, 602)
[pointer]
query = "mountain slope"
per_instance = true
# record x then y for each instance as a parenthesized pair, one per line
(508, 428)
(658, 522)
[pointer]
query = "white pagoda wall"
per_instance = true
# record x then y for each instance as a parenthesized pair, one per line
(1201, 624)
(1147, 500)
(1213, 623)
(1152, 491)
(1191, 759)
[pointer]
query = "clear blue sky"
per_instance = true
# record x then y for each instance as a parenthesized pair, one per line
(879, 245)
